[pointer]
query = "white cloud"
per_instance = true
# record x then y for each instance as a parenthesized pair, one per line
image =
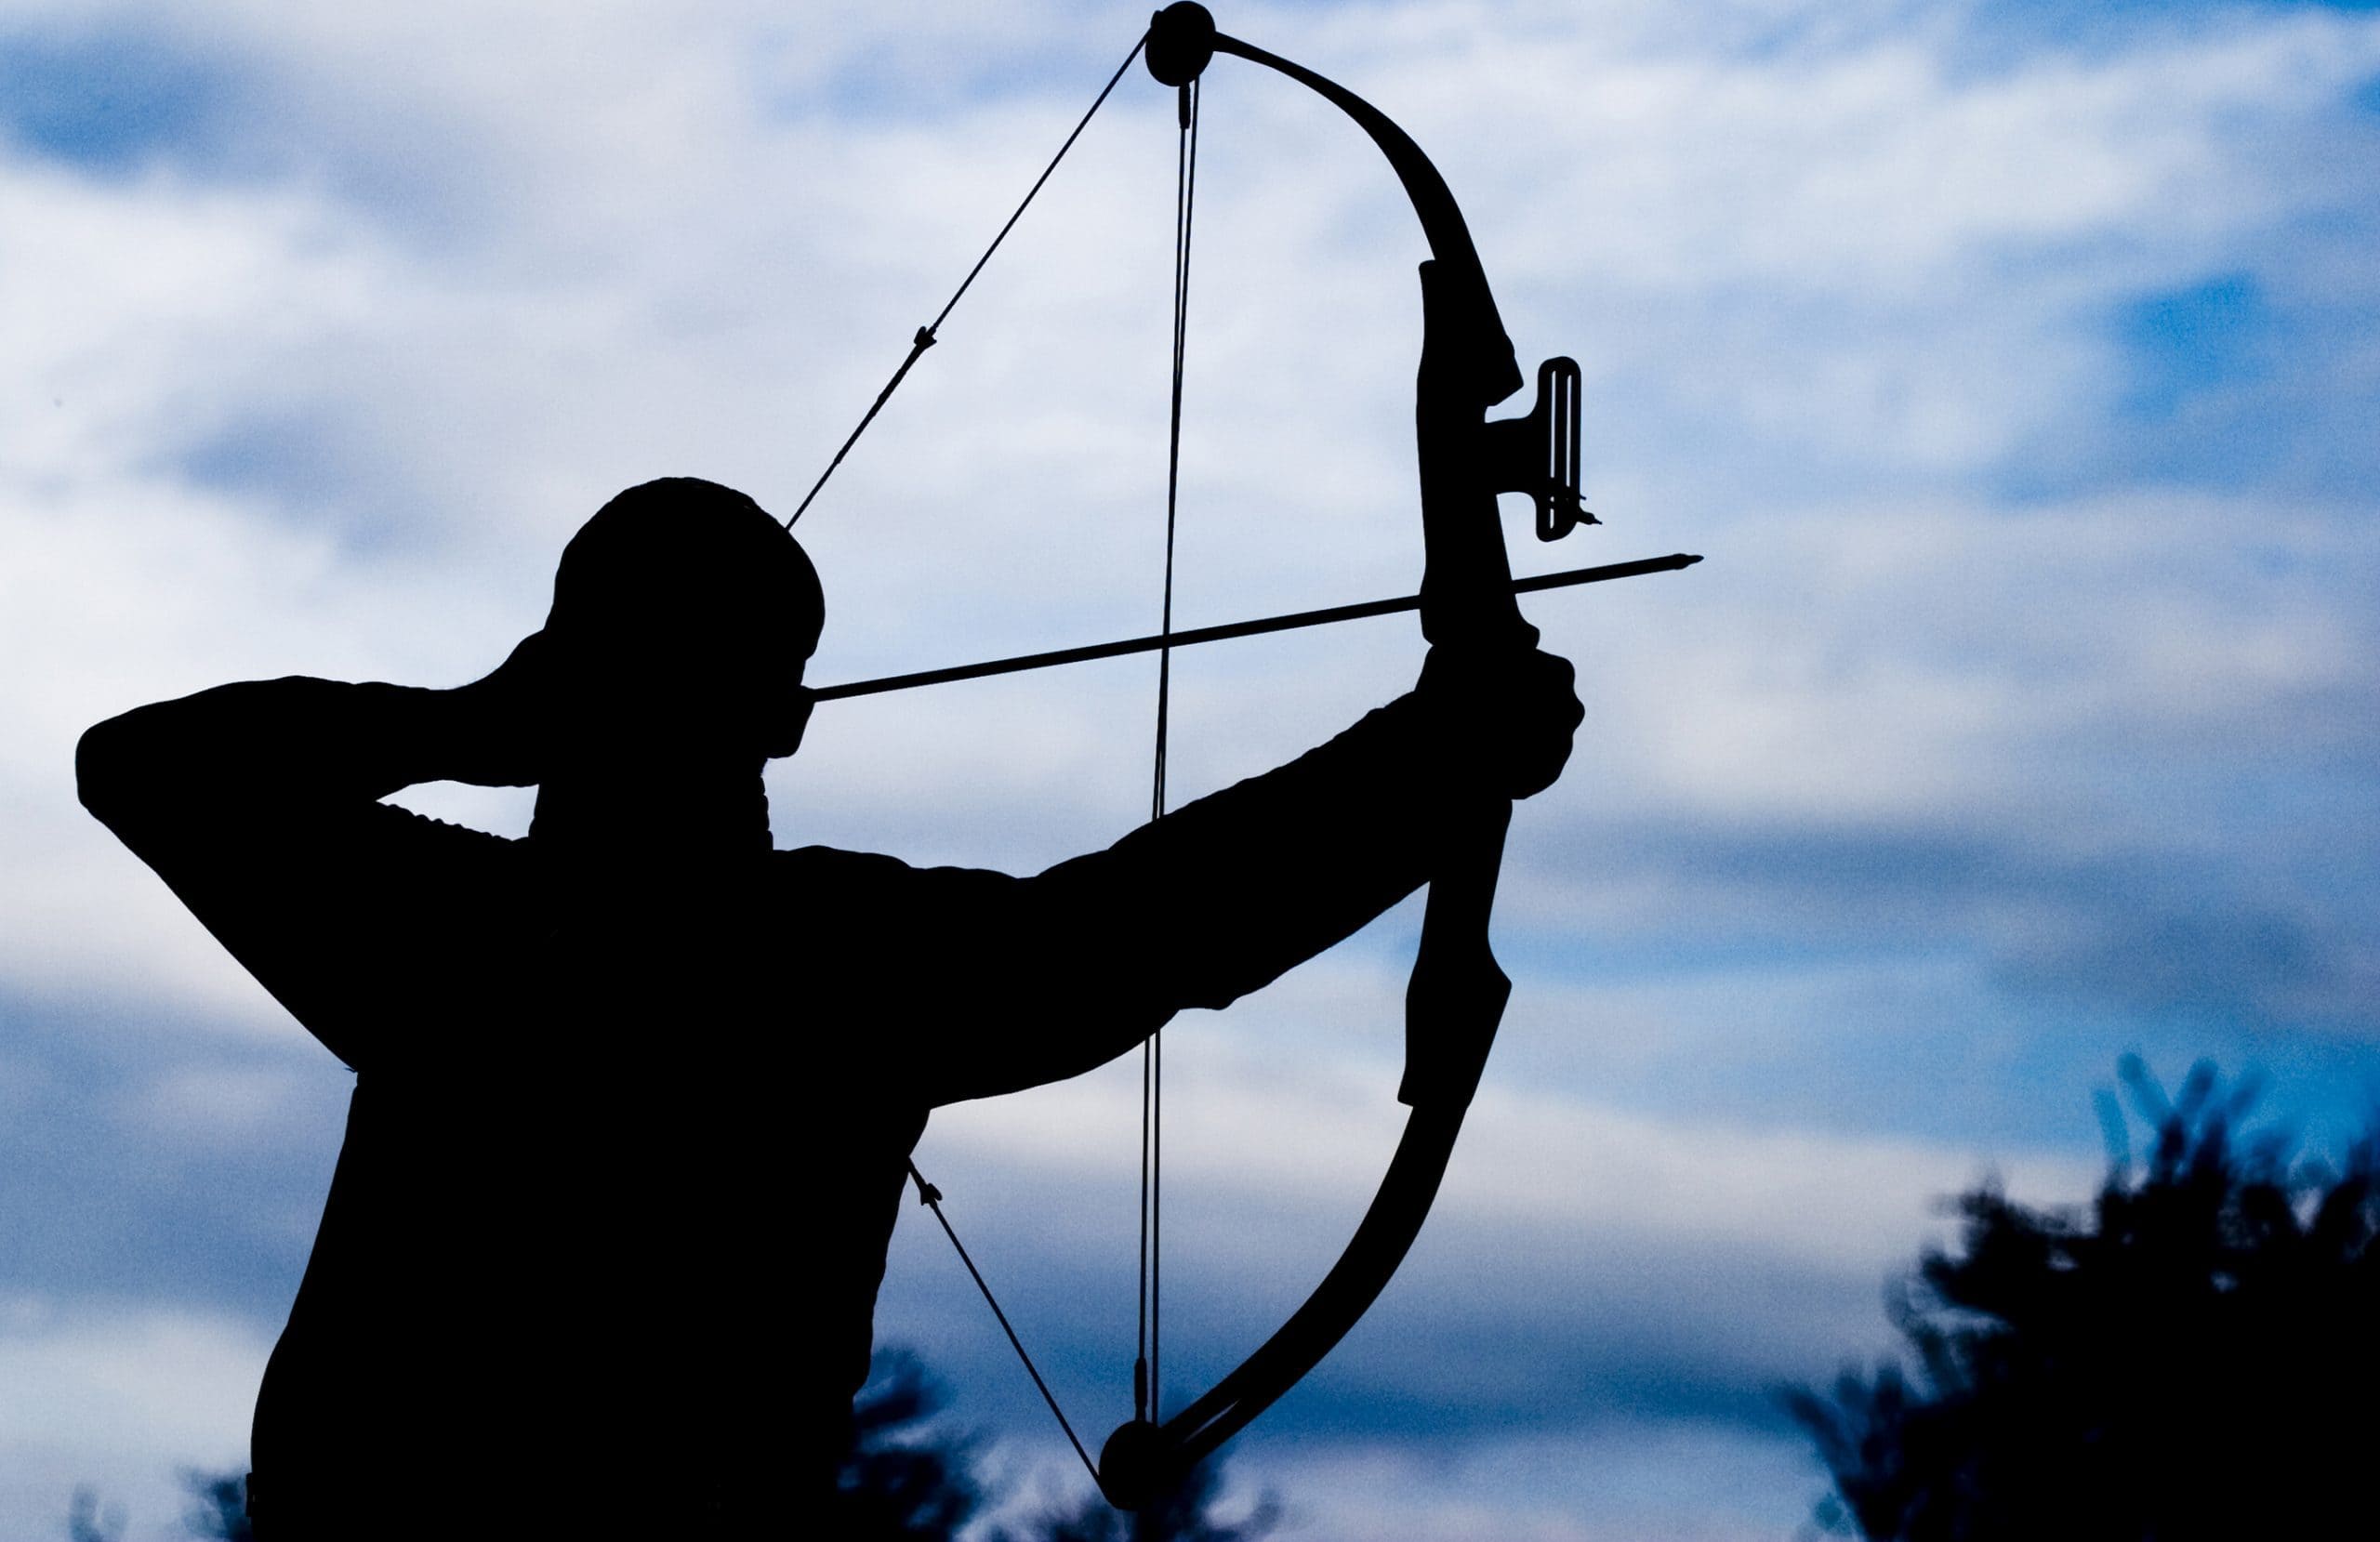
(214, 1105)
(1289, 1126)
(1654, 1483)
(1752, 1252)
(329, 401)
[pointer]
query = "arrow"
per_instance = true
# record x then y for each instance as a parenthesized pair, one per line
(1231, 629)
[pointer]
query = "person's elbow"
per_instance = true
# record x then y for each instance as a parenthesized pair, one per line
(109, 768)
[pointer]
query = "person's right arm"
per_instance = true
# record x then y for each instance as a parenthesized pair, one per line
(297, 740)
(258, 805)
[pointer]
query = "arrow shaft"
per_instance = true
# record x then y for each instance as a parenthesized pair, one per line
(1230, 629)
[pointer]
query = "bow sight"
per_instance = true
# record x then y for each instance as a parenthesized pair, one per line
(1539, 454)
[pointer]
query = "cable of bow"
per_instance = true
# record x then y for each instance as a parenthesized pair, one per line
(931, 1197)
(926, 335)
(927, 1194)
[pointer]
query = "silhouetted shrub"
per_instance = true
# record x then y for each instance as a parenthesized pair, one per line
(219, 1506)
(908, 1477)
(2195, 1354)
(86, 1522)
(1184, 1516)
(905, 1478)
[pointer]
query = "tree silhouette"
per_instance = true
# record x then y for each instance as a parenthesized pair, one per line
(86, 1522)
(2194, 1354)
(219, 1506)
(905, 1478)
(1182, 1516)
(908, 1476)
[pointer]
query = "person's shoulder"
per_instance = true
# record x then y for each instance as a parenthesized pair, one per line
(832, 862)
(812, 862)
(828, 876)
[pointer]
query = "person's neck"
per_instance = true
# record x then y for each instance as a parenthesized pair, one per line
(671, 814)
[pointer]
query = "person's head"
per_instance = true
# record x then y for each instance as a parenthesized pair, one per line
(683, 613)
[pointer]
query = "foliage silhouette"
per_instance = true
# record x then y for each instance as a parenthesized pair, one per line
(218, 1510)
(219, 1506)
(1184, 1515)
(2191, 1355)
(906, 1476)
(87, 1521)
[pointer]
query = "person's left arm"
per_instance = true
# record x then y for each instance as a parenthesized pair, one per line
(1010, 982)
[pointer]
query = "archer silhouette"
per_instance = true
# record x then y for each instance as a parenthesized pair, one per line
(635, 1094)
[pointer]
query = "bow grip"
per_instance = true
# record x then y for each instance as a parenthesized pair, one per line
(1456, 997)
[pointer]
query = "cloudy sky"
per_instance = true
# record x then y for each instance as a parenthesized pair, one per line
(2014, 365)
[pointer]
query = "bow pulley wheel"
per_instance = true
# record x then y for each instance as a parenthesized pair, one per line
(1181, 41)
(1132, 1466)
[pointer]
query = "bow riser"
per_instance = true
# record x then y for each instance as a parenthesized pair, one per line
(1467, 603)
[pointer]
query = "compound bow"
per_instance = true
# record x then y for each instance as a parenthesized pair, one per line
(1457, 994)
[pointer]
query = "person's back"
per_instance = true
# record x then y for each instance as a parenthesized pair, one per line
(575, 1224)
(549, 1283)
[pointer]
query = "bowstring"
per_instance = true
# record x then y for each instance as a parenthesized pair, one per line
(929, 1197)
(1148, 1359)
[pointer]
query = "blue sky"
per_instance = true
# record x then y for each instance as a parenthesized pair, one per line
(2014, 366)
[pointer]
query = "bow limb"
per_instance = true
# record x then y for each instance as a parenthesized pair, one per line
(1475, 357)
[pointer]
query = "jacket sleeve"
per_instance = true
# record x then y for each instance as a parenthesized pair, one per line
(258, 805)
(1002, 983)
